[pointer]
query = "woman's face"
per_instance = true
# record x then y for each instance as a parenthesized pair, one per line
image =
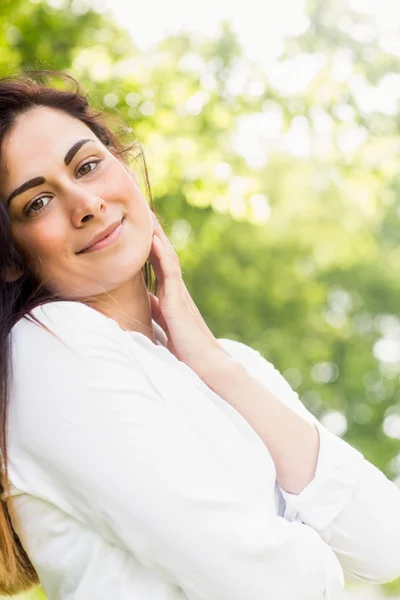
(64, 187)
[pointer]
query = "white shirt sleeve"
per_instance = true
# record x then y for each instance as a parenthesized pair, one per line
(350, 503)
(131, 469)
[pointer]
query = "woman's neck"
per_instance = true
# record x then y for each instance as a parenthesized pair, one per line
(129, 305)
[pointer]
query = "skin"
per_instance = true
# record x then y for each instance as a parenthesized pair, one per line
(77, 202)
(81, 202)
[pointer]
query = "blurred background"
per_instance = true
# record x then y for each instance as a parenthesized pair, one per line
(271, 133)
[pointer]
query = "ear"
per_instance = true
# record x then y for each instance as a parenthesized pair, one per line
(12, 274)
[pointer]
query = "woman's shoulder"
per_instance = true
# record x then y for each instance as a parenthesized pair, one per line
(67, 321)
(67, 313)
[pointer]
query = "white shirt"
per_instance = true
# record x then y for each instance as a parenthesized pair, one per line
(133, 480)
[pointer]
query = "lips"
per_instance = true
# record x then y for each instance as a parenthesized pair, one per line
(100, 236)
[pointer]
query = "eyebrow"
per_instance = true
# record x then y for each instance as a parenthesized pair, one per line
(40, 180)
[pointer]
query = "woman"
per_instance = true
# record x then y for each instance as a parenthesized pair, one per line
(144, 458)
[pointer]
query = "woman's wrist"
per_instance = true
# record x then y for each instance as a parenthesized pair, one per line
(218, 367)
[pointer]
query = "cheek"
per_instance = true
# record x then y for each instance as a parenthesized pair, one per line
(122, 185)
(41, 241)
(136, 207)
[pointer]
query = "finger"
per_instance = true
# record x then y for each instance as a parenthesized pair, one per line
(154, 259)
(156, 312)
(165, 263)
(158, 230)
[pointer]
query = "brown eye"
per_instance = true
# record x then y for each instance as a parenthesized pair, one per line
(87, 168)
(38, 204)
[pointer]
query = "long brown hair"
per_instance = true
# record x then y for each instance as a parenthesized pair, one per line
(18, 95)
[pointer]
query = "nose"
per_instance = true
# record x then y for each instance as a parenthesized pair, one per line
(84, 205)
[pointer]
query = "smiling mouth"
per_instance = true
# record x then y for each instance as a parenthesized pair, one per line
(106, 241)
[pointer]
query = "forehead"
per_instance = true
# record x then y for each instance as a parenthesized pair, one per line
(39, 138)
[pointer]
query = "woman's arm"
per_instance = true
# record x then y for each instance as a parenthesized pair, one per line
(332, 473)
(351, 504)
(130, 466)
(292, 441)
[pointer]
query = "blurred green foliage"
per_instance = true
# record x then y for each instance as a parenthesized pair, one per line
(293, 247)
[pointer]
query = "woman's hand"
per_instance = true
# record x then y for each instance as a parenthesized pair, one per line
(189, 337)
